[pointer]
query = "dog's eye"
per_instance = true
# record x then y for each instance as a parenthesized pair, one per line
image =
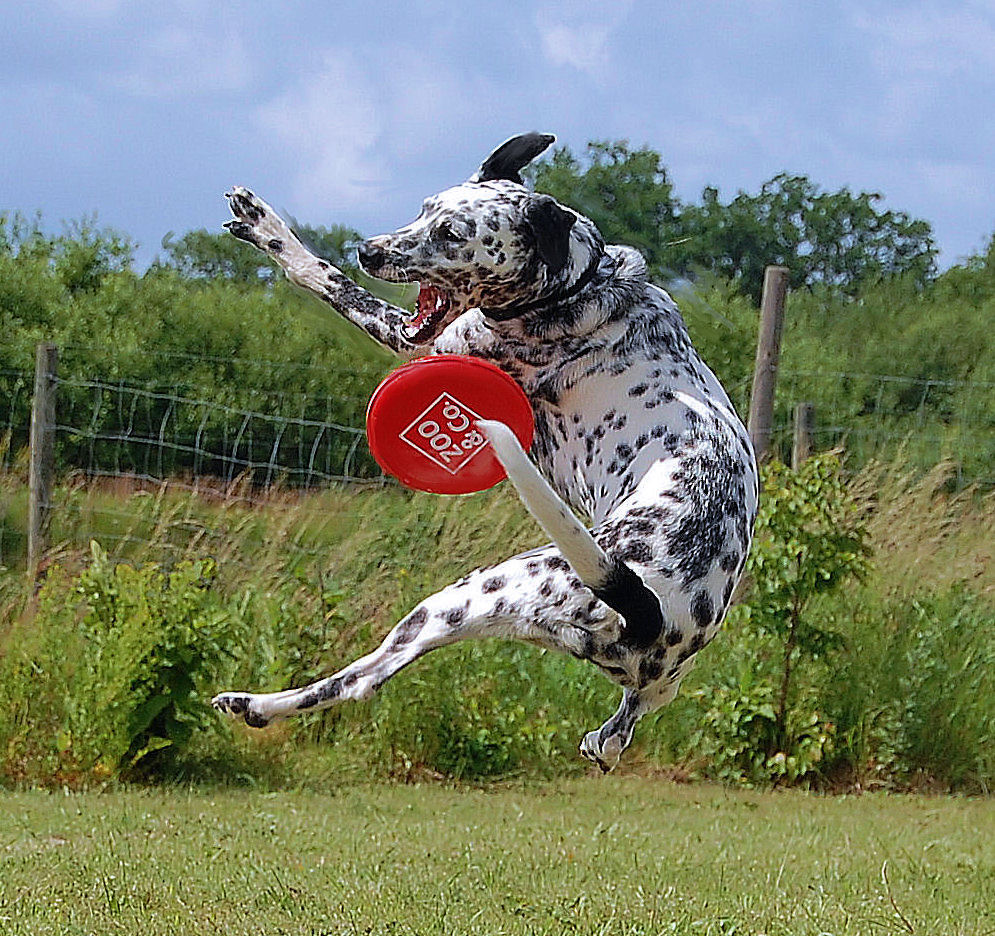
(447, 232)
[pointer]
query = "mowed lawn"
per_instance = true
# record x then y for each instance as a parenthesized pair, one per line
(618, 855)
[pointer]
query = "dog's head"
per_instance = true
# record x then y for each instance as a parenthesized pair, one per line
(489, 243)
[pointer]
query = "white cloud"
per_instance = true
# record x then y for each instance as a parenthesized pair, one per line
(931, 40)
(577, 34)
(584, 48)
(330, 126)
(178, 60)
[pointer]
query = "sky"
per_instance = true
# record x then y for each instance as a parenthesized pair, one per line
(351, 113)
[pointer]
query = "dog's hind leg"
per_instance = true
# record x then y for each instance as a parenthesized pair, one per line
(534, 597)
(604, 745)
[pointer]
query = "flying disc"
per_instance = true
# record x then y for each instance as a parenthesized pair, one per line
(422, 423)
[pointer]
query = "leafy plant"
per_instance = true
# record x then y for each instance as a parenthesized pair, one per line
(117, 665)
(810, 541)
(152, 636)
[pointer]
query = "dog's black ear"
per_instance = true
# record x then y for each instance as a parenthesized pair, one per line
(507, 161)
(551, 224)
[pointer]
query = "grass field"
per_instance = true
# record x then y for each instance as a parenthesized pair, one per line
(619, 855)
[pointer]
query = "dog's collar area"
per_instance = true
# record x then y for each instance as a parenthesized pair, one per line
(505, 313)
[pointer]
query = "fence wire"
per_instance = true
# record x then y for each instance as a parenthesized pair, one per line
(877, 416)
(115, 440)
(113, 429)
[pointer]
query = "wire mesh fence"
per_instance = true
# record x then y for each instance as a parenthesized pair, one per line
(114, 438)
(878, 416)
(113, 429)
(115, 443)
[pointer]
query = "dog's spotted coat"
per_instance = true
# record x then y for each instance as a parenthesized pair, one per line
(633, 431)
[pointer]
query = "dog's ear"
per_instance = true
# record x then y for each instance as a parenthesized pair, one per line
(551, 225)
(507, 161)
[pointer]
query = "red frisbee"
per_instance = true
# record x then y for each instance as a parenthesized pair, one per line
(422, 422)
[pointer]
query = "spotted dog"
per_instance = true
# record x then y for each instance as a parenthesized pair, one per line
(633, 433)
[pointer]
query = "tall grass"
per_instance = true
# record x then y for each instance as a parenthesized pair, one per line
(306, 582)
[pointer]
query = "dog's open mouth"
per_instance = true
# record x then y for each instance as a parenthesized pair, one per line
(433, 304)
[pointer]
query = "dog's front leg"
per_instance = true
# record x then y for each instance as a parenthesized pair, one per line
(258, 224)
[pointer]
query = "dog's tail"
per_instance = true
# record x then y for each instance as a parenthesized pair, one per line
(610, 579)
(588, 559)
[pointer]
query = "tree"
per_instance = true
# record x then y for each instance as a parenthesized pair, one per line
(81, 257)
(836, 239)
(203, 254)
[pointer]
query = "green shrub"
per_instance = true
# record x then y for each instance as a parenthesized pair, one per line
(486, 709)
(115, 673)
(759, 724)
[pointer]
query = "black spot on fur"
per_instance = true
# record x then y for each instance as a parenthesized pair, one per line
(626, 593)
(702, 609)
(410, 626)
(330, 689)
(493, 584)
(636, 551)
(729, 561)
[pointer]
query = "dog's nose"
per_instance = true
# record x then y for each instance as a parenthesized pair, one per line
(371, 256)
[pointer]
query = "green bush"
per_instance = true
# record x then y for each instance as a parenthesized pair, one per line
(111, 675)
(759, 724)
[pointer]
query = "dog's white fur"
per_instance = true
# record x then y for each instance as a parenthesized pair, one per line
(633, 431)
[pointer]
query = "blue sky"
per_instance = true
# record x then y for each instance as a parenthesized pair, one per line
(145, 112)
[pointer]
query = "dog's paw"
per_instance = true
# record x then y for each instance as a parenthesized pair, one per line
(257, 223)
(605, 755)
(239, 705)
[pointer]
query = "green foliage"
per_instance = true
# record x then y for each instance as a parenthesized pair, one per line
(916, 699)
(119, 669)
(810, 541)
(742, 737)
(831, 239)
(186, 329)
(894, 686)
(486, 710)
(203, 254)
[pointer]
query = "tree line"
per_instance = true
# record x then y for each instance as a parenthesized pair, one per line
(211, 316)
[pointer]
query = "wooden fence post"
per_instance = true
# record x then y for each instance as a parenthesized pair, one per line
(768, 356)
(41, 473)
(801, 447)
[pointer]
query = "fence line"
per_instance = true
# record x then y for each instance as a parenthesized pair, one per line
(193, 436)
(113, 428)
(157, 439)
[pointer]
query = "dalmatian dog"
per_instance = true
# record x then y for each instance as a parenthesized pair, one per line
(633, 433)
